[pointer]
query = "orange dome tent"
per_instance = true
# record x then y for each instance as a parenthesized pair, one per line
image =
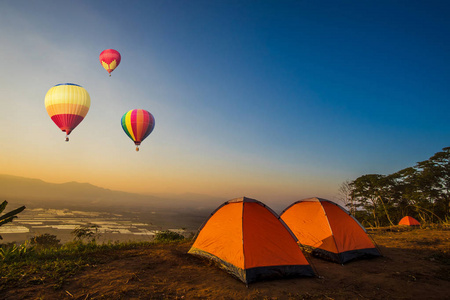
(250, 241)
(329, 230)
(409, 221)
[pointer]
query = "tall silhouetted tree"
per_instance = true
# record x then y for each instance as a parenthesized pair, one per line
(435, 179)
(346, 197)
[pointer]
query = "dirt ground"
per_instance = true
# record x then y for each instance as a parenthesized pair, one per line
(415, 265)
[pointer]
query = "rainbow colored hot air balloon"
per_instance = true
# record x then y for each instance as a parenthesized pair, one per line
(67, 104)
(138, 124)
(110, 59)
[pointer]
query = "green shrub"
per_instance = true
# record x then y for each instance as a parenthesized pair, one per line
(86, 232)
(12, 251)
(168, 236)
(45, 240)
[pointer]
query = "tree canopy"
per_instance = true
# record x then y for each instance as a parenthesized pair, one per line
(421, 191)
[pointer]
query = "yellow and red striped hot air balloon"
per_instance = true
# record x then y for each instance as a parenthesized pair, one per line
(110, 59)
(138, 124)
(67, 104)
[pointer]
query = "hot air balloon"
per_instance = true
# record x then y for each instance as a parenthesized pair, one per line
(67, 104)
(110, 59)
(138, 124)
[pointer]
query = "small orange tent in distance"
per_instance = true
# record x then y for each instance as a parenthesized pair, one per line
(250, 241)
(409, 221)
(329, 230)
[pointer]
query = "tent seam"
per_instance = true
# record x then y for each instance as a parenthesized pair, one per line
(331, 229)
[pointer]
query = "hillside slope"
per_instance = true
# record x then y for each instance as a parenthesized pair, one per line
(73, 195)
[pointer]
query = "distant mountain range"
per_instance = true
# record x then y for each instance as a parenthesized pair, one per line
(74, 195)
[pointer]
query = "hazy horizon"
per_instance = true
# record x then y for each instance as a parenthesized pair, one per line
(273, 100)
(83, 195)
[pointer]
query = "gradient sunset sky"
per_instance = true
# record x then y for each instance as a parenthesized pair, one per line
(274, 100)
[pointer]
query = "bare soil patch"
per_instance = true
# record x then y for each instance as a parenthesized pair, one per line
(415, 265)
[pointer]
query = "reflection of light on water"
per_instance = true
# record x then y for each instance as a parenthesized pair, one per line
(31, 223)
(36, 219)
(62, 212)
(119, 226)
(70, 227)
(13, 229)
(73, 222)
(123, 231)
(144, 232)
(86, 213)
(61, 222)
(110, 223)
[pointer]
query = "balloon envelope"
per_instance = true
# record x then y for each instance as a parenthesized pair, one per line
(110, 59)
(138, 124)
(67, 104)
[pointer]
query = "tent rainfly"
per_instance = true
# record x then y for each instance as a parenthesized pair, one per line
(247, 239)
(329, 230)
(409, 221)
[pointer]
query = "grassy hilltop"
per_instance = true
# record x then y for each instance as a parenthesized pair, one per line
(415, 264)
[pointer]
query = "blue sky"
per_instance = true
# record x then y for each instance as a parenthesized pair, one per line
(276, 100)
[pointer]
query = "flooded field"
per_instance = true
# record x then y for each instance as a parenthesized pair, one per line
(61, 222)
